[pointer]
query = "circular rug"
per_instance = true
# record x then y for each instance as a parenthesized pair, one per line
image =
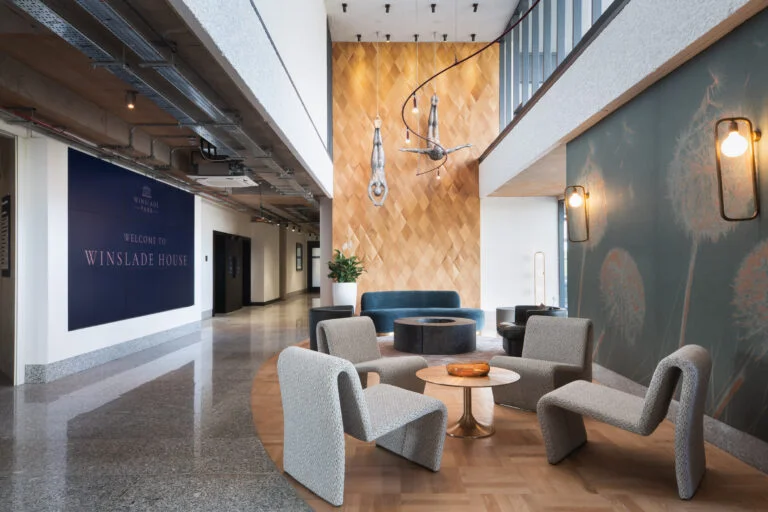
(487, 347)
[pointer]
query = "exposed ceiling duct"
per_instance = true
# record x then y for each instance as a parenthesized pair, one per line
(221, 129)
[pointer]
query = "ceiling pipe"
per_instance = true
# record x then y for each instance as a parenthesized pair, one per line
(154, 59)
(135, 165)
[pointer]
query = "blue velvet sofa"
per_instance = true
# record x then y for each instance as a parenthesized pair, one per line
(386, 307)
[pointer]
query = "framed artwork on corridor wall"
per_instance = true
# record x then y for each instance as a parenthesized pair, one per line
(299, 257)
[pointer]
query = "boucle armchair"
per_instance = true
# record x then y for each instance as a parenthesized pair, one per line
(323, 399)
(354, 339)
(556, 351)
(562, 425)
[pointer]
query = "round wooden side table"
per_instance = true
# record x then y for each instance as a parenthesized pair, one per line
(468, 426)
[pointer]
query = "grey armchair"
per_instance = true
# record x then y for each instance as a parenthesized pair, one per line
(562, 425)
(556, 351)
(354, 339)
(323, 399)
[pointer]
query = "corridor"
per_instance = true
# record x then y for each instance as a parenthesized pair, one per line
(169, 428)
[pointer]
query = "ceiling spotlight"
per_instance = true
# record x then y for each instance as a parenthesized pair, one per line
(432, 6)
(130, 100)
(474, 7)
(473, 37)
(343, 7)
(359, 37)
(293, 228)
(387, 36)
(445, 37)
(386, 8)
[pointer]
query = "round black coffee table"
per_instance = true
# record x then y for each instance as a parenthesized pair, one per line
(435, 335)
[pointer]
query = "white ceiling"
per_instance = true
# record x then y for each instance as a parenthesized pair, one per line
(453, 17)
(546, 177)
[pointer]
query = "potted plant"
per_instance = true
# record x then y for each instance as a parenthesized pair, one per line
(344, 272)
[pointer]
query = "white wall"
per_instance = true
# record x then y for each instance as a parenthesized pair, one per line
(235, 37)
(43, 277)
(512, 229)
(265, 269)
(644, 42)
(301, 40)
(295, 280)
(40, 262)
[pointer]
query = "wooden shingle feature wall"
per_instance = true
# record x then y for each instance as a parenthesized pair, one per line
(426, 236)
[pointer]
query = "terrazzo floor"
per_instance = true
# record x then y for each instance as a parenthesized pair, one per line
(169, 428)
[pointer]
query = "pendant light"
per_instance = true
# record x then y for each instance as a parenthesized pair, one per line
(415, 109)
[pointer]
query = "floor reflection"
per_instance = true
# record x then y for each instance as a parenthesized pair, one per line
(169, 428)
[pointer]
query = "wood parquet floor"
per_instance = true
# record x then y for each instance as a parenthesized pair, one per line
(614, 471)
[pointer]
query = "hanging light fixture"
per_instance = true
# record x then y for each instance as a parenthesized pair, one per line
(415, 109)
(130, 100)
(438, 173)
(377, 186)
(407, 136)
(735, 155)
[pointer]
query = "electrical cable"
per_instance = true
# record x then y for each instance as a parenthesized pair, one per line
(458, 62)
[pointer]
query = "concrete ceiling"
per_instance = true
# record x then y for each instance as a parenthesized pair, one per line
(44, 77)
(408, 17)
(546, 177)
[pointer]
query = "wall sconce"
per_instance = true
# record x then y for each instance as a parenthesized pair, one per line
(576, 212)
(736, 168)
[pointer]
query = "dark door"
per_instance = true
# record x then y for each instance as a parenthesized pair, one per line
(314, 266)
(219, 272)
(231, 272)
(246, 272)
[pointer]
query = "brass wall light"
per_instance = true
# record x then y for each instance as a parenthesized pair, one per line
(735, 140)
(576, 212)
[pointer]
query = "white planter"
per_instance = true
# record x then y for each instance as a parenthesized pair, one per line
(345, 294)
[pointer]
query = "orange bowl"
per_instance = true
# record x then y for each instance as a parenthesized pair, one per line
(472, 369)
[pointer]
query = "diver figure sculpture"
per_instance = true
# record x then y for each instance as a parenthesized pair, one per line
(377, 187)
(434, 150)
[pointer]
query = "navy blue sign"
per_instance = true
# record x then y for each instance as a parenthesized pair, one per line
(131, 244)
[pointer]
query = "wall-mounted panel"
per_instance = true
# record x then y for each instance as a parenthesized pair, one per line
(426, 236)
(661, 268)
(131, 244)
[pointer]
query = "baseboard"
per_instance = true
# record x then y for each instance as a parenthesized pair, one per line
(297, 292)
(741, 445)
(205, 315)
(42, 373)
(265, 303)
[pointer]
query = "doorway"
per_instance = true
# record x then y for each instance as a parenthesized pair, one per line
(7, 276)
(231, 272)
(315, 267)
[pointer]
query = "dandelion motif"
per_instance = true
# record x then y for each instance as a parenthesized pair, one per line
(591, 177)
(623, 296)
(750, 301)
(692, 185)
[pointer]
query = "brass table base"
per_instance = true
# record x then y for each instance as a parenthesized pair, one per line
(468, 426)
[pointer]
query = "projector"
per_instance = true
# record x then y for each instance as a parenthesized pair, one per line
(224, 181)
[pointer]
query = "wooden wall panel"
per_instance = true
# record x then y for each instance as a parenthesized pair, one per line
(426, 236)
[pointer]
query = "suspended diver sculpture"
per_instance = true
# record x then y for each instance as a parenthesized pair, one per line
(377, 187)
(434, 150)
(457, 62)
